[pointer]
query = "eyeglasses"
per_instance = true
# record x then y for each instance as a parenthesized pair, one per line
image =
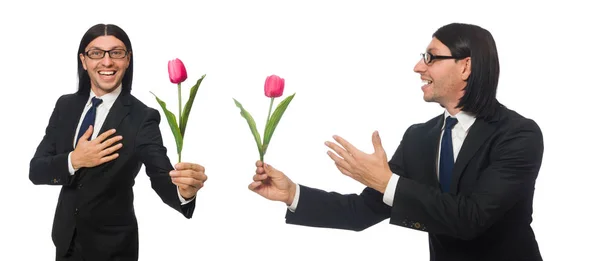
(99, 54)
(428, 58)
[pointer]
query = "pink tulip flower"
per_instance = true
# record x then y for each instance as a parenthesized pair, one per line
(177, 72)
(274, 86)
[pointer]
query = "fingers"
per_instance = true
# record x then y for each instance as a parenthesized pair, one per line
(339, 161)
(339, 151)
(104, 135)
(186, 182)
(110, 141)
(184, 188)
(259, 163)
(349, 147)
(189, 166)
(260, 177)
(377, 143)
(109, 158)
(271, 172)
(202, 177)
(111, 150)
(254, 185)
(189, 174)
(87, 134)
(188, 178)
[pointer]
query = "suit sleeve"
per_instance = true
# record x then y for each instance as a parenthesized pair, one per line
(514, 163)
(318, 208)
(47, 167)
(152, 153)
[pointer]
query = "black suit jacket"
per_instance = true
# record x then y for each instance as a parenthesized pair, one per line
(486, 215)
(97, 202)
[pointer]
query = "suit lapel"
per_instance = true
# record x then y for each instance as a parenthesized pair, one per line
(478, 134)
(73, 116)
(432, 142)
(117, 112)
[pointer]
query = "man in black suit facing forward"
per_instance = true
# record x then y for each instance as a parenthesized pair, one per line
(94, 146)
(466, 177)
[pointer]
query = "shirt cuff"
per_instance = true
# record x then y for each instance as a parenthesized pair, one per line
(183, 201)
(71, 169)
(292, 208)
(390, 190)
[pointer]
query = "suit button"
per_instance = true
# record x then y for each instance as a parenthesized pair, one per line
(76, 211)
(417, 225)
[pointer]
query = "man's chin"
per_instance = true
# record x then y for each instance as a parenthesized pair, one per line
(104, 89)
(110, 88)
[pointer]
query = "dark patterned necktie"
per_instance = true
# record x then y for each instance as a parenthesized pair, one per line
(447, 155)
(89, 119)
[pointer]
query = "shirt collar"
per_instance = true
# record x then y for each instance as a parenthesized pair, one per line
(465, 120)
(108, 98)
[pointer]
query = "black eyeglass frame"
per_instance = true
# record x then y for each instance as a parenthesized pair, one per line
(432, 57)
(87, 53)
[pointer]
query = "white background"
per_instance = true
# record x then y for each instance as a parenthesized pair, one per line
(350, 63)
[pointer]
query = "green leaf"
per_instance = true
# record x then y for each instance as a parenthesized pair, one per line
(274, 120)
(252, 125)
(188, 106)
(172, 123)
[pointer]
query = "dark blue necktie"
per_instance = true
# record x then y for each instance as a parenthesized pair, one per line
(447, 155)
(89, 119)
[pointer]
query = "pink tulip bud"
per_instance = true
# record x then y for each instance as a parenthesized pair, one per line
(177, 72)
(274, 86)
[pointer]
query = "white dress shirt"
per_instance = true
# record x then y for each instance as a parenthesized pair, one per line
(101, 112)
(459, 133)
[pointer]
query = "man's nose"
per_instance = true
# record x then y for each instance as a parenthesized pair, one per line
(106, 60)
(420, 67)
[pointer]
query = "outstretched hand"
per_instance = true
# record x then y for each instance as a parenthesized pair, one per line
(372, 170)
(272, 184)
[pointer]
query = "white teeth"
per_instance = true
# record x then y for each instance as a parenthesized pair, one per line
(426, 82)
(107, 73)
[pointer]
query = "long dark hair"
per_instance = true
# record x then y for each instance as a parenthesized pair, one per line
(91, 34)
(466, 40)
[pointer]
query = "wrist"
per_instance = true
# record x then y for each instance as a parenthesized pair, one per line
(187, 197)
(75, 160)
(291, 194)
(384, 183)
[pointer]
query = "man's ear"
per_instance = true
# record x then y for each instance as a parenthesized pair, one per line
(465, 69)
(82, 59)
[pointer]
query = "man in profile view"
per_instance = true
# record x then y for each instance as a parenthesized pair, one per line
(466, 176)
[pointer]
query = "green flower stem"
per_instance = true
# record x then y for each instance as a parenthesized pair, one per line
(267, 123)
(180, 121)
(270, 109)
(179, 93)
